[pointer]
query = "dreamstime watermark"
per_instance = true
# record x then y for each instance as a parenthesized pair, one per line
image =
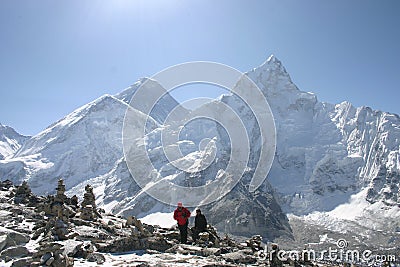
(340, 253)
(138, 122)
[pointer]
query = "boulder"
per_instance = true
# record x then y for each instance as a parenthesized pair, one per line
(60, 230)
(50, 261)
(23, 262)
(206, 252)
(10, 238)
(45, 257)
(72, 247)
(84, 250)
(157, 243)
(96, 257)
(255, 243)
(14, 252)
(185, 250)
(239, 257)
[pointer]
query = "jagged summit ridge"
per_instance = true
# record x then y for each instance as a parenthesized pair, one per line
(273, 63)
(272, 76)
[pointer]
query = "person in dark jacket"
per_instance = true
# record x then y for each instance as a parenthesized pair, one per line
(181, 215)
(200, 224)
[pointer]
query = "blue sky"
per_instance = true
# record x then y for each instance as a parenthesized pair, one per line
(58, 55)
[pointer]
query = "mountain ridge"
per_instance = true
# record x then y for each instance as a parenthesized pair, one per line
(328, 153)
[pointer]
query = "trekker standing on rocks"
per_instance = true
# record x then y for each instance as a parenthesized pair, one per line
(181, 215)
(200, 224)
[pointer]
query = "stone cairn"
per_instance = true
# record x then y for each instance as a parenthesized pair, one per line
(60, 229)
(88, 205)
(209, 238)
(255, 243)
(60, 195)
(51, 254)
(61, 239)
(74, 201)
(58, 212)
(59, 204)
(23, 194)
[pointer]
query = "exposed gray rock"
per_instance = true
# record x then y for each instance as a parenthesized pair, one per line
(157, 243)
(112, 234)
(23, 193)
(206, 252)
(96, 257)
(239, 257)
(50, 261)
(14, 252)
(3, 242)
(60, 230)
(45, 257)
(12, 238)
(185, 249)
(52, 254)
(23, 262)
(243, 213)
(72, 247)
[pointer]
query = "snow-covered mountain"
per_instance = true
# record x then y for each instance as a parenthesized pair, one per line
(82, 145)
(326, 156)
(163, 106)
(10, 141)
(328, 152)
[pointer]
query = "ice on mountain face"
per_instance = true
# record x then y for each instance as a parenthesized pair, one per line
(119, 193)
(324, 151)
(374, 137)
(162, 108)
(302, 141)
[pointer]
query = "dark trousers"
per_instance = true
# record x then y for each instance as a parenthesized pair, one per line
(183, 229)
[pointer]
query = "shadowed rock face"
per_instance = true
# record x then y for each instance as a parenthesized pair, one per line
(243, 213)
(239, 212)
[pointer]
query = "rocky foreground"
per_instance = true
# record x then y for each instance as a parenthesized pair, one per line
(59, 231)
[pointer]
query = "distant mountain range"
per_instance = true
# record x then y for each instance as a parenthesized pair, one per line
(327, 157)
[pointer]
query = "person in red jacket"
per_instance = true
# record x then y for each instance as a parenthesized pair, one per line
(181, 215)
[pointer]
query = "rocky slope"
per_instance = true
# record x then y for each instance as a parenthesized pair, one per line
(31, 234)
(56, 230)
